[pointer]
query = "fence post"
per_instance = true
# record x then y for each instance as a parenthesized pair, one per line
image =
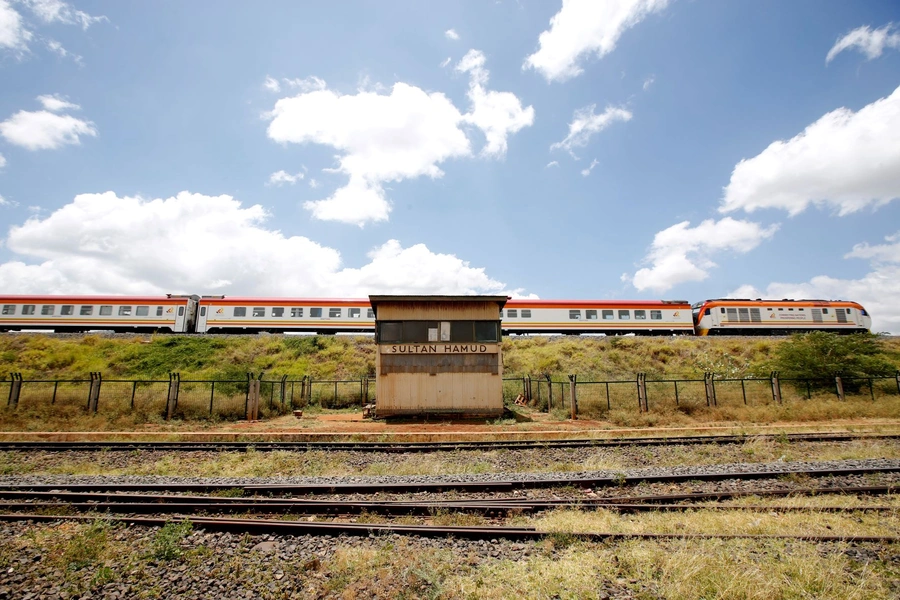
(212, 395)
(642, 392)
(608, 405)
(743, 391)
(839, 385)
(94, 393)
(253, 400)
(527, 384)
(572, 397)
(776, 387)
(56, 386)
(676, 392)
(871, 389)
(550, 392)
(707, 378)
(15, 388)
(172, 398)
(898, 381)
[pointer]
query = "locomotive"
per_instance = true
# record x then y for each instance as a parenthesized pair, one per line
(231, 314)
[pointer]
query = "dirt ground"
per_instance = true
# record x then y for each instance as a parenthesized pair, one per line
(351, 426)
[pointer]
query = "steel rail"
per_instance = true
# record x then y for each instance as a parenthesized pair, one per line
(410, 447)
(435, 486)
(267, 526)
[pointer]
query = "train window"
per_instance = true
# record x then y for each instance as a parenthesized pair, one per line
(390, 331)
(67, 309)
(590, 315)
(202, 311)
(9, 309)
(801, 309)
(526, 313)
(240, 311)
(315, 312)
(574, 314)
(791, 309)
(780, 309)
(47, 309)
(862, 312)
(656, 315)
(486, 331)
(354, 313)
(624, 315)
(296, 312)
(334, 313)
(824, 311)
(105, 310)
(723, 309)
(259, 311)
(608, 315)
(370, 314)
(86, 311)
(140, 311)
(277, 311)
(159, 310)
(512, 313)
(640, 314)
(180, 311)
(124, 311)
(28, 309)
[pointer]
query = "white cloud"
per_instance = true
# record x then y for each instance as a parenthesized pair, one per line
(13, 35)
(384, 137)
(58, 49)
(99, 244)
(583, 27)
(681, 253)
(56, 104)
(868, 41)
(45, 130)
(587, 171)
(2, 161)
(308, 84)
(585, 124)
(497, 114)
(451, 34)
(282, 177)
(272, 84)
(314, 184)
(57, 11)
(445, 62)
(845, 160)
(552, 163)
(877, 289)
(648, 82)
(7, 203)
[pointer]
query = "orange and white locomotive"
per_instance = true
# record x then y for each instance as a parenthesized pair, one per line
(734, 316)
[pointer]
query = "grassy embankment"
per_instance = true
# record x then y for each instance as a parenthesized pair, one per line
(591, 359)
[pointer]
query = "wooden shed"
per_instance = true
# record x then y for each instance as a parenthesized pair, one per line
(438, 355)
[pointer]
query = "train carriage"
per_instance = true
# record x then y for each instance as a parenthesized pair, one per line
(609, 317)
(735, 316)
(170, 313)
(227, 314)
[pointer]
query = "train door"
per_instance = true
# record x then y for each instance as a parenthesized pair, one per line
(201, 318)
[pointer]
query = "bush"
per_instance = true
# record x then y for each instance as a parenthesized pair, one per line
(820, 356)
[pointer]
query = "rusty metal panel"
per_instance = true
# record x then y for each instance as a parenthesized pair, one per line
(439, 363)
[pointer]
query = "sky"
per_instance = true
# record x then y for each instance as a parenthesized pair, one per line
(583, 149)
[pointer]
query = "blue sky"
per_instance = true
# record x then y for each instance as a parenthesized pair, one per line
(618, 149)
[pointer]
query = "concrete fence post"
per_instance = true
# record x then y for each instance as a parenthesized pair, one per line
(172, 396)
(897, 376)
(574, 400)
(253, 400)
(776, 387)
(839, 387)
(94, 392)
(549, 391)
(643, 405)
(15, 388)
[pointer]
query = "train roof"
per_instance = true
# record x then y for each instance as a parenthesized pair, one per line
(764, 302)
(538, 303)
(271, 300)
(90, 299)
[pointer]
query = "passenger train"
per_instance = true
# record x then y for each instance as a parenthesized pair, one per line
(226, 314)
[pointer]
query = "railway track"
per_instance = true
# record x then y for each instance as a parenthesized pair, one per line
(411, 447)
(488, 507)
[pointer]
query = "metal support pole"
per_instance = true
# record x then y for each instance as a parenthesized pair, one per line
(15, 388)
(743, 391)
(608, 405)
(133, 392)
(56, 386)
(550, 386)
(676, 392)
(212, 395)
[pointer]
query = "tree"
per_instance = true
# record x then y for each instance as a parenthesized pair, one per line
(820, 356)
